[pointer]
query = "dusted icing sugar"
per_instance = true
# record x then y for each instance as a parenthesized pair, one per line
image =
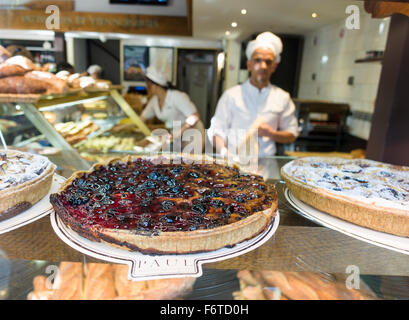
(18, 167)
(368, 181)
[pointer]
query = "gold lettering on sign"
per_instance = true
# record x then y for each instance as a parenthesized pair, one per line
(80, 20)
(95, 21)
(33, 19)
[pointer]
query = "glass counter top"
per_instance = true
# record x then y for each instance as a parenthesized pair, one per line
(299, 245)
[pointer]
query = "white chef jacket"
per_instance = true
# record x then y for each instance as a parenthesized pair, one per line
(176, 109)
(241, 105)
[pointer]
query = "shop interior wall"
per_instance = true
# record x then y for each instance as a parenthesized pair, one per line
(232, 64)
(329, 57)
(80, 59)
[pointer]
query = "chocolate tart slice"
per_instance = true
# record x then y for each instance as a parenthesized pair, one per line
(172, 204)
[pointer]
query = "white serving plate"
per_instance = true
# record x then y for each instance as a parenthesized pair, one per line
(39, 210)
(378, 238)
(147, 267)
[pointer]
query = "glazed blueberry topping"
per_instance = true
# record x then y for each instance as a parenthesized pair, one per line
(143, 195)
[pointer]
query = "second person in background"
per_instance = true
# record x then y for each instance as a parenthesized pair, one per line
(176, 110)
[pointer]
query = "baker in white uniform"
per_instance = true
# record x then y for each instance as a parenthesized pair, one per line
(176, 110)
(255, 105)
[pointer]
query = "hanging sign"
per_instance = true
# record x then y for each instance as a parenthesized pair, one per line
(65, 21)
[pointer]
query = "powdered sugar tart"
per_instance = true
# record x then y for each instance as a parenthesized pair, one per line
(25, 179)
(166, 205)
(365, 192)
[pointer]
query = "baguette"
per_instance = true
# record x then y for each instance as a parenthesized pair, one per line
(40, 283)
(40, 295)
(253, 293)
(271, 295)
(99, 282)
(68, 282)
(290, 285)
(247, 277)
(123, 286)
(168, 289)
(161, 289)
(331, 289)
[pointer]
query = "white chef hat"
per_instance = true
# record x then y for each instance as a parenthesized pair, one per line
(94, 69)
(155, 76)
(266, 40)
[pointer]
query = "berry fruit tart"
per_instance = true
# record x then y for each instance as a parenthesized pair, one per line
(365, 192)
(166, 204)
(25, 179)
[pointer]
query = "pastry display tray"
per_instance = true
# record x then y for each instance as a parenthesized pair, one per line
(148, 267)
(34, 98)
(377, 238)
(39, 210)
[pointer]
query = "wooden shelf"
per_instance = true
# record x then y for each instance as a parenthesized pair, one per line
(40, 49)
(365, 60)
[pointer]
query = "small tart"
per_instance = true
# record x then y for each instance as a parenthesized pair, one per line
(25, 179)
(367, 193)
(172, 204)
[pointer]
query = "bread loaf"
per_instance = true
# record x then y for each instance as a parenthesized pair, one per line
(55, 84)
(9, 70)
(22, 85)
(21, 61)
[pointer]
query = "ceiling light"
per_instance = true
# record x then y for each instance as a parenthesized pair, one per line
(234, 24)
(243, 11)
(227, 33)
(314, 15)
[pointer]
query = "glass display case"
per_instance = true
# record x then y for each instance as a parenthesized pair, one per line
(301, 248)
(76, 124)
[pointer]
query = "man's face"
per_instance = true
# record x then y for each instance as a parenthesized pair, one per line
(261, 66)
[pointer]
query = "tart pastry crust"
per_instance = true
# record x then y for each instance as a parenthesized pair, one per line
(165, 242)
(17, 196)
(373, 210)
